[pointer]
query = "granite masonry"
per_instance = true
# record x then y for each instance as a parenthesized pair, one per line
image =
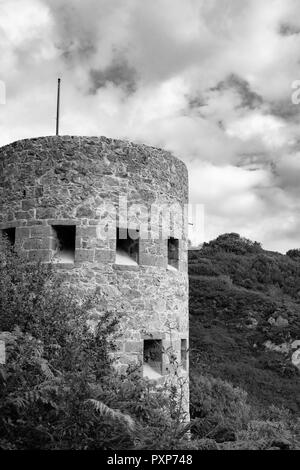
(52, 194)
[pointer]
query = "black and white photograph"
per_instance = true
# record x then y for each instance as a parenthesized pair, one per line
(150, 229)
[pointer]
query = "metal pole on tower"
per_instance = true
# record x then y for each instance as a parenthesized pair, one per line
(58, 107)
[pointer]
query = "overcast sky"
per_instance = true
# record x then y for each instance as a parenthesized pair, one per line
(210, 81)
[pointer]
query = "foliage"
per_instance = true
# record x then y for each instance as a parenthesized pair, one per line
(223, 417)
(294, 254)
(217, 408)
(58, 388)
(232, 243)
(242, 296)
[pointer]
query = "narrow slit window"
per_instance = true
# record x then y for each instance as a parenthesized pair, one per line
(10, 235)
(184, 353)
(127, 248)
(173, 253)
(152, 360)
(64, 243)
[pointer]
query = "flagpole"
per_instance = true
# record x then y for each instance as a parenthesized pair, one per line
(58, 107)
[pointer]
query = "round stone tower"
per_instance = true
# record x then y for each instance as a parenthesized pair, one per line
(94, 207)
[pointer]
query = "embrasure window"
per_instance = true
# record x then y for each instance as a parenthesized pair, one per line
(127, 248)
(152, 360)
(64, 243)
(9, 234)
(173, 253)
(184, 353)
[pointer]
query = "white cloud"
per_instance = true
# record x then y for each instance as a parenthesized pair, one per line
(159, 72)
(271, 130)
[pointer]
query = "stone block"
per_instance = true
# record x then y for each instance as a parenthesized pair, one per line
(22, 232)
(34, 222)
(39, 255)
(46, 212)
(103, 245)
(152, 260)
(87, 231)
(133, 346)
(60, 221)
(129, 358)
(84, 256)
(85, 211)
(36, 244)
(154, 334)
(24, 214)
(105, 256)
(28, 204)
(9, 224)
(125, 267)
(38, 191)
(65, 266)
(40, 231)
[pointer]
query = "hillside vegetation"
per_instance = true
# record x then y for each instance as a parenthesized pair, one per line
(245, 319)
(59, 388)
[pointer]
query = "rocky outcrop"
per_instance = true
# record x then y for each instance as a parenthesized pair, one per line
(287, 349)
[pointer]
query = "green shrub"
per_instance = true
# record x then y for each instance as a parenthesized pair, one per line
(217, 408)
(58, 388)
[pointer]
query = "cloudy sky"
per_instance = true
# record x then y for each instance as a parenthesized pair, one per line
(210, 81)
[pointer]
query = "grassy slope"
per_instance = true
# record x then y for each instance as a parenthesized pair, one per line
(235, 288)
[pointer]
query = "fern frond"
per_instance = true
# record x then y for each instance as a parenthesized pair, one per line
(45, 368)
(28, 399)
(105, 410)
(17, 402)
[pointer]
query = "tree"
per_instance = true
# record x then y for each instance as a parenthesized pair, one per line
(232, 243)
(294, 254)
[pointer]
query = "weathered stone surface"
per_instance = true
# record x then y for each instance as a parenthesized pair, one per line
(105, 256)
(295, 344)
(84, 255)
(133, 346)
(37, 244)
(287, 349)
(2, 352)
(28, 204)
(279, 322)
(38, 231)
(283, 348)
(22, 232)
(39, 255)
(67, 181)
(296, 358)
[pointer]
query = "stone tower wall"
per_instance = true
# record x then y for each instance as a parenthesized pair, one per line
(63, 181)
